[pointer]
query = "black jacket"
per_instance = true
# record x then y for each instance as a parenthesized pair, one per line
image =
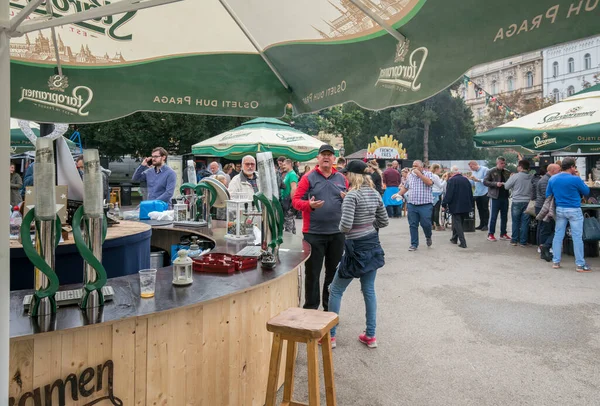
(494, 176)
(459, 195)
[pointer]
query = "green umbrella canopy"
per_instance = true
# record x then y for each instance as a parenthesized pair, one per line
(261, 135)
(251, 59)
(19, 143)
(573, 123)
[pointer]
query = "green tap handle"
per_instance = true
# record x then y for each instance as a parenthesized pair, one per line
(88, 255)
(39, 262)
(210, 188)
(185, 186)
(260, 197)
(279, 219)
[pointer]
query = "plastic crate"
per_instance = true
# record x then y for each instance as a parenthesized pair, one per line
(224, 263)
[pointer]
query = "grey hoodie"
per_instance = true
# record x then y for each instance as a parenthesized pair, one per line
(521, 185)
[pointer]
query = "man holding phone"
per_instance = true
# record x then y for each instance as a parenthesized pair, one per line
(158, 176)
(495, 180)
(319, 197)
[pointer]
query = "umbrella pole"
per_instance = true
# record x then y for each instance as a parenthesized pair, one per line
(4, 198)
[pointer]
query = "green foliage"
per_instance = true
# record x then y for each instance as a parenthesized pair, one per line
(139, 133)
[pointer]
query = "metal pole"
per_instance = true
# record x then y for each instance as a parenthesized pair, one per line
(45, 246)
(4, 199)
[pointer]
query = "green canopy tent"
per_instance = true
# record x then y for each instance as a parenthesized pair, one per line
(261, 135)
(572, 125)
(20, 143)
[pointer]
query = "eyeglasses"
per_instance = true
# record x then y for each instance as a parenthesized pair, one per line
(156, 156)
(249, 164)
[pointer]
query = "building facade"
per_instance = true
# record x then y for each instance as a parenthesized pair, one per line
(522, 72)
(568, 67)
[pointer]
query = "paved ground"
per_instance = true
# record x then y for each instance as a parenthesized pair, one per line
(489, 325)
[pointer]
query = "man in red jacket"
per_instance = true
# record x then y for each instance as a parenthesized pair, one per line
(319, 197)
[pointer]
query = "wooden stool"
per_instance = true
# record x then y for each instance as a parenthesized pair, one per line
(296, 325)
(115, 195)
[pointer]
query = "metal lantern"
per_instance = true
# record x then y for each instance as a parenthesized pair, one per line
(182, 269)
(239, 221)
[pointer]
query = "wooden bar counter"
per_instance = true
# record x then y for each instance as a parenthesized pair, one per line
(205, 344)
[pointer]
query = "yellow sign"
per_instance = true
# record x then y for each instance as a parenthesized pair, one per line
(386, 147)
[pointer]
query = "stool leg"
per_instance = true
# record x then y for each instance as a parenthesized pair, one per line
(313, 373)
(328, 370)
(276, 350)
(290, 363)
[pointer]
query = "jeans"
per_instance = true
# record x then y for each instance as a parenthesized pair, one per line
(328, 247)
(394, 211)
(574, 217)
(419, 214)
(367, 286)
(483, 203)
(520, 223)
(499, 205)
(545, 231)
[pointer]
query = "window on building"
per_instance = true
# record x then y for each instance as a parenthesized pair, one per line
(494, 87)
(570, 91)
(587, 61)
(556, 95)
(571, 64)
(555, 69)
(529, 79)
(510, 83)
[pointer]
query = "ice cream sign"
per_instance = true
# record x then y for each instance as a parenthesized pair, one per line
(386, 147)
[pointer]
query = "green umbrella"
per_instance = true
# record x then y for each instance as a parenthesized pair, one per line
(20, 143)
(234, 57)
(573, 125)
(261, 135)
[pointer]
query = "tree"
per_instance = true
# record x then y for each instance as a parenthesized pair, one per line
(497, 113)
(139, 133)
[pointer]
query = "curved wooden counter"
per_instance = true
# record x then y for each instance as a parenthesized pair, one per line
(205, 344)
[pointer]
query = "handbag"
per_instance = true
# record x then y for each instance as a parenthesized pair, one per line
(591, 228)
(530, 208)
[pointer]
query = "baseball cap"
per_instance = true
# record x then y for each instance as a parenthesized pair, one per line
(356, 167)
(326, 147)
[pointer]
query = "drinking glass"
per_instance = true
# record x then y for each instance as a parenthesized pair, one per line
(147, 282)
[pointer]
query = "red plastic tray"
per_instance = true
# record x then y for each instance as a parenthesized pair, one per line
(223, 263)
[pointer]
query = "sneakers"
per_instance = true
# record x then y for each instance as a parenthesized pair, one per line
(505, 237)
(412, 248)
(484, 228)
(333, 345)
(545, 253)
(429, 242)
(513, 243)
(370, 342)
(491, 238)
(555, 265)
(584, 268)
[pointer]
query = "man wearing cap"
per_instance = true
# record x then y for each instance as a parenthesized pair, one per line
(319, 197)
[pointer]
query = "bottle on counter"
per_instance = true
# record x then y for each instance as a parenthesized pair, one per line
(15, 223)
(116, 211)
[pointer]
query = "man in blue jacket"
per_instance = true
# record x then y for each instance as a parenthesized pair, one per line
(568, 189)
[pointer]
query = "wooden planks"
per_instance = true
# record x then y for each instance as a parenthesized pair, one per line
(205, 355)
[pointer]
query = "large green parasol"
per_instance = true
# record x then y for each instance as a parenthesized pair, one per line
(572, 125)
(261, 135)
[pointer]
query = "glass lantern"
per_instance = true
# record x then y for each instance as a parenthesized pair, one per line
(239, 222)
(180, 211)
(182, 269)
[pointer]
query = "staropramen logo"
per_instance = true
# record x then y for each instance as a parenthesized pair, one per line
(404, 76)
(573, 112)
(75, 103)
(543, 141)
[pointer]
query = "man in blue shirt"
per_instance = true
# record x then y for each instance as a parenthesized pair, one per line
(482, 200)
(160, 179)
(567, 189)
